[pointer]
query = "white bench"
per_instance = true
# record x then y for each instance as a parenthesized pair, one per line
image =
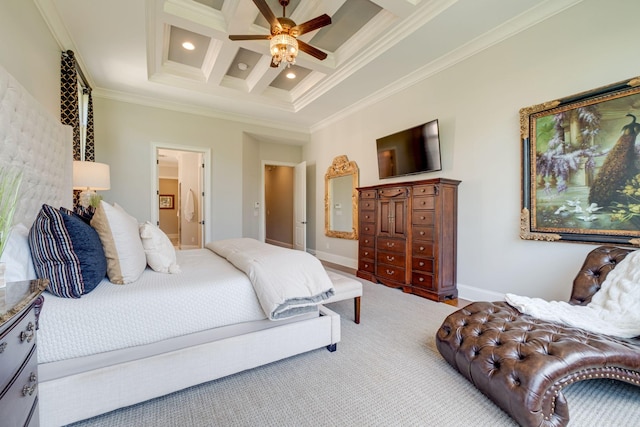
(346, 288)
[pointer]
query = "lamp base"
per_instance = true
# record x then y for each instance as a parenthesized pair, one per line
(87, 198)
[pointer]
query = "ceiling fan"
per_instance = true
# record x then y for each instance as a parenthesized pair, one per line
(283, 42)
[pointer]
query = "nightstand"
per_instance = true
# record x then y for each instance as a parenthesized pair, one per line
(20, 304)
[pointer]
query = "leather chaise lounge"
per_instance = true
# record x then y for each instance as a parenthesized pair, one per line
(523, 363)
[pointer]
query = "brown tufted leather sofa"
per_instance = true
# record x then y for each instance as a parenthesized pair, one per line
(522, 363)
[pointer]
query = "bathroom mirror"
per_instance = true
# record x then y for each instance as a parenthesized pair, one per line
(341, 199)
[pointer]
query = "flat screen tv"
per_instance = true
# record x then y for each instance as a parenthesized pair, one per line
(412, 151)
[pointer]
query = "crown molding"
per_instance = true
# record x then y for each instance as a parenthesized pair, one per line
(200, 111)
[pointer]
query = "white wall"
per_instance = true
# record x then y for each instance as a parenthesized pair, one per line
(477, 103)
(125, 133)
(29, 52)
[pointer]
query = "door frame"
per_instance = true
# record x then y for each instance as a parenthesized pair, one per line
(206, 200)
(262, 225)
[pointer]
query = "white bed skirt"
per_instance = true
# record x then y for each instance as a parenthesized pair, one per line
(84, 395)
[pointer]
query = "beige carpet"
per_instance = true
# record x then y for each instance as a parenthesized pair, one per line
(386, 372)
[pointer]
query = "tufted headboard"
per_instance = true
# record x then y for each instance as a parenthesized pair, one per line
(33, 140)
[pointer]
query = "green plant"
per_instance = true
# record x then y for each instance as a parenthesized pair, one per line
(10, 180)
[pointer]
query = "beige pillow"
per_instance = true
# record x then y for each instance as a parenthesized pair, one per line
(120, 239)
(160, 253)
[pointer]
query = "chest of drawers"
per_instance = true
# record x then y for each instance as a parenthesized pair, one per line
(408, 236)
(20, 304)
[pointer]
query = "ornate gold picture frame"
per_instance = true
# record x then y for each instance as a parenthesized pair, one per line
(581, 167)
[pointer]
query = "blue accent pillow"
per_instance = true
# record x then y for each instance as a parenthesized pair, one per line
(88, 248)
(63, 251)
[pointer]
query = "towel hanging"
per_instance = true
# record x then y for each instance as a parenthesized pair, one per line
(189, 208)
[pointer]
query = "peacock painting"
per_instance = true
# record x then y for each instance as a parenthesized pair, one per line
(618, 167)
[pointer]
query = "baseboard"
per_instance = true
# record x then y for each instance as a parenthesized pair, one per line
(337, 259)
(278, 243)
(477, 294)
(173, 236)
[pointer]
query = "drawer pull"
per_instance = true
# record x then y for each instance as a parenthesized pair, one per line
(390, 272)
(421, 264)
(366, 240)
(422, 218)
(366, 266)
(421, 279)
(390, 258)
(421, 248)
(27, 389)
(366, 253)
(422, 233)
(366, 228)
(29, 334)
(390, 245)
(2, 347)
(422, 190)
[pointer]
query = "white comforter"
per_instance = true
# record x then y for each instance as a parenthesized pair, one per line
(613, 310)
(287, 282)
(208, 293)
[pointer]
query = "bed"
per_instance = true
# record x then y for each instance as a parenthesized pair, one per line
(123, 344)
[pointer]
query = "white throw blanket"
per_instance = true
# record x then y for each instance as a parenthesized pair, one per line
(613, 310)
(287, 282)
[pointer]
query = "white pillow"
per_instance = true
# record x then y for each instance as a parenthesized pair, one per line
(120, 239)
(17, 256)
(161, 256)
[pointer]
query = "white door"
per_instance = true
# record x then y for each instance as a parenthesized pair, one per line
(300, 206)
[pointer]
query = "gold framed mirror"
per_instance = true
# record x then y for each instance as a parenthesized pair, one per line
(341, 199)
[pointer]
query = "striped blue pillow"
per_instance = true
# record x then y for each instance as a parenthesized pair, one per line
(53, 255)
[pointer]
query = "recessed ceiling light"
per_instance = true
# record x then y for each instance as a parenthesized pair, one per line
(242, 66)
(188, 46)
(291, 75)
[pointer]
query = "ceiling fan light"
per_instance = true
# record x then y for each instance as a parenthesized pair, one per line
(283, 47)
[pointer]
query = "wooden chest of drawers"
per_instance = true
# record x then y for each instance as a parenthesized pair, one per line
(408, 236)
(19, 308)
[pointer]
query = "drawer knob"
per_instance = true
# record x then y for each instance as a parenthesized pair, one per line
(422, 233)
(29, 389)
(390, 258)
(422, 218)
(422, 190)
(29, 334)
(366, 266)
(421, 264)
(421, 248)
(366, 240)
(366, 253)
(421, 279)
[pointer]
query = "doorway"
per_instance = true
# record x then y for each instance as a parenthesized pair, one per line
(278, 205)
(181, 197)
(284, 200)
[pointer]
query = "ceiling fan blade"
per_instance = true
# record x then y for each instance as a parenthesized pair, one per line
(316, 53)
(249, 37)
(266, 11)
(313, 24)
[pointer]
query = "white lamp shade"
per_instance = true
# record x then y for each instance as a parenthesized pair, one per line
(91, 175)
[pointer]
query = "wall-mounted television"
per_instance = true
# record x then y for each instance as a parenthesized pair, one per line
(411, 151)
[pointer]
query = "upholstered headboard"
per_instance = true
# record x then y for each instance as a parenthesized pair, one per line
(35, 141)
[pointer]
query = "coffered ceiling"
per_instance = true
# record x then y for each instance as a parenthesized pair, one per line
(132, 50)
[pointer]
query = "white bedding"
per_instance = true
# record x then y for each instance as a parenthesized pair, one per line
(613, 310)
(153, 308)
(288, 282)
